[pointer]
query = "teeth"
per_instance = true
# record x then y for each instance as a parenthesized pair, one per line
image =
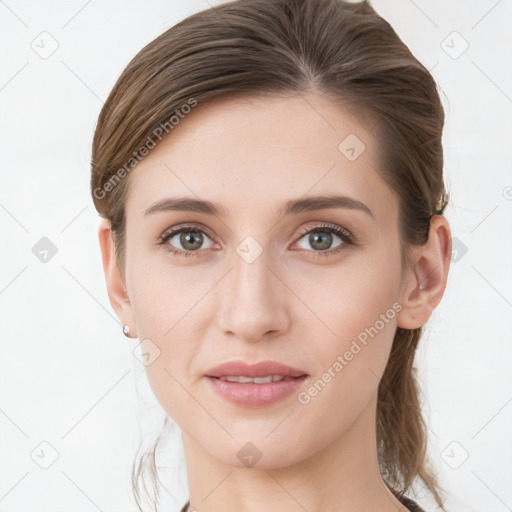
(255, 380)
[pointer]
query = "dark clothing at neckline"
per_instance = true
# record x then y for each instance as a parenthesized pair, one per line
(411, 505)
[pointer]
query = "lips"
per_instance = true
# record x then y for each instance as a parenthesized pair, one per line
(257, 385)
(261, 369)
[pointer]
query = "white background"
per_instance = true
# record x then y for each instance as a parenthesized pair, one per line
(68, 376)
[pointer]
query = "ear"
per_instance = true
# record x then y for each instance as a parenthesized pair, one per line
(116, 286)
(427, 277)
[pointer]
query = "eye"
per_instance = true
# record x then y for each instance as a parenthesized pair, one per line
(320, 238)
(189, 238)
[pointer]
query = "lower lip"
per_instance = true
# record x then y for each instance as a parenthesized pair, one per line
(255, 395)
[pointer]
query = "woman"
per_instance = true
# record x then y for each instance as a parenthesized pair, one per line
(269, 175)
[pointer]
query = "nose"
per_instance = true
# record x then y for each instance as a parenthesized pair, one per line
(253, 300)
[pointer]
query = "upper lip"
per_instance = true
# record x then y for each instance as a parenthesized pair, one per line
(261, 369)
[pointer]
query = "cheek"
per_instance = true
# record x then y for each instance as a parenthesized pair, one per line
(355, 308)
(169, 304)
(360, 322)
(343, 300)
(349, 364)
(163, 293)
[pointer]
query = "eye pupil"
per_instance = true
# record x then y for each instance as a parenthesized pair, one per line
(193, 237)
(324, 237)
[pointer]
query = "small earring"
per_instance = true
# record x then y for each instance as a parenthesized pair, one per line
(126, 330)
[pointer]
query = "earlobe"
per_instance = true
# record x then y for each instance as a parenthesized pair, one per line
(426, 281)
(116, 286)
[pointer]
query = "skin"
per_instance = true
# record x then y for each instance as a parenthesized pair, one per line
(287, 305)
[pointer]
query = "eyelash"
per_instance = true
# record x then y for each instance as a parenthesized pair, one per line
(346, 237)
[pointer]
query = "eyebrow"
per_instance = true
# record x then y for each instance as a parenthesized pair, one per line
(291, 207)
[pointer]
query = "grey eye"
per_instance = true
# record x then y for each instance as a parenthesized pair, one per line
(189, 240)
(320, 239)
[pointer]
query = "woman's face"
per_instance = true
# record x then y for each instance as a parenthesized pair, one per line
(253, 285)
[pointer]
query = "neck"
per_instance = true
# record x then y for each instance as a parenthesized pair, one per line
(341, 476)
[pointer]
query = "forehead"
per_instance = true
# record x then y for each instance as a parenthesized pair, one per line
(258, 152)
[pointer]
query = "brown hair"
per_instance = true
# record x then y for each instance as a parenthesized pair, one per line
(343, 51)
